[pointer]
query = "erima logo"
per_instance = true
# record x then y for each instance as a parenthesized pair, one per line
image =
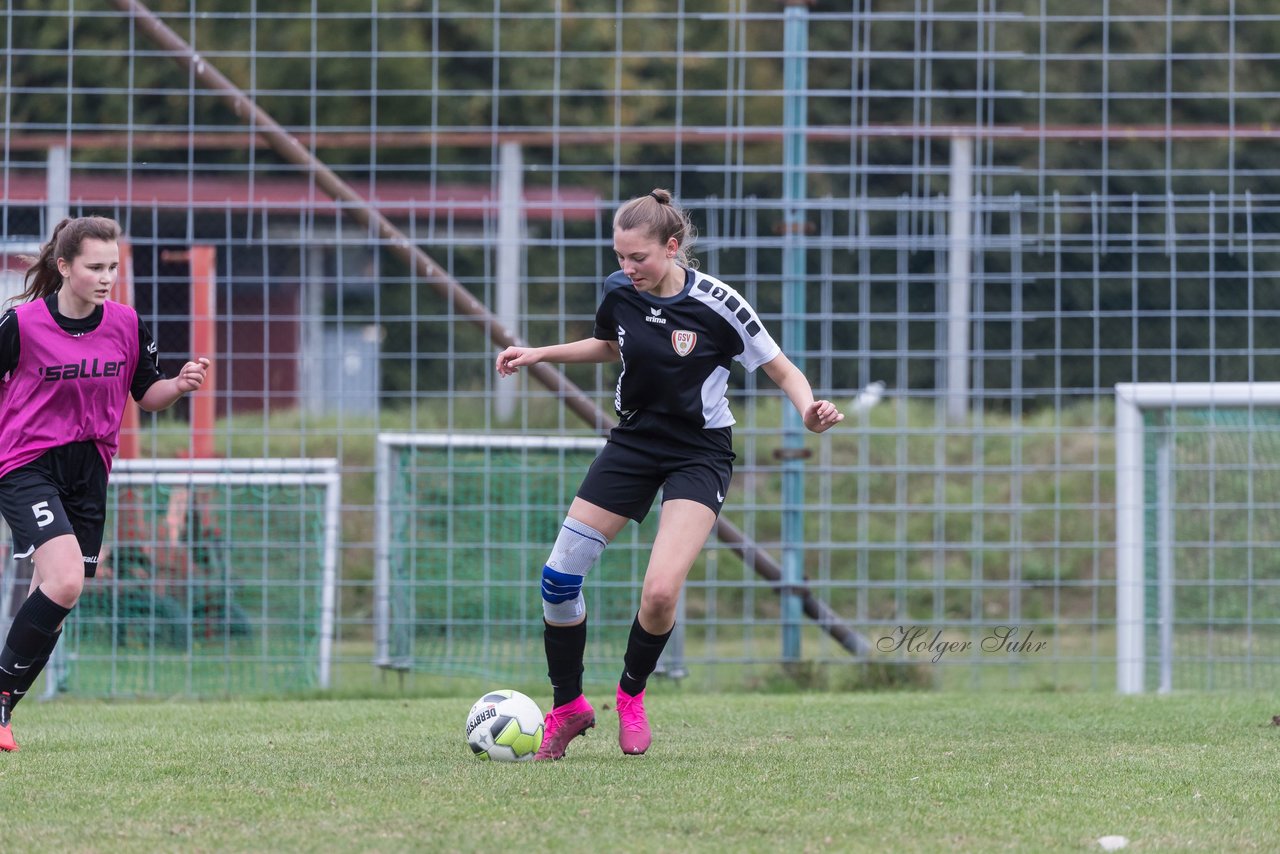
(719, 497)
(655, 317)
(82, 371)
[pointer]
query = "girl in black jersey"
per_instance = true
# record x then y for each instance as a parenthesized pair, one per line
(676, 331)
(69, 358)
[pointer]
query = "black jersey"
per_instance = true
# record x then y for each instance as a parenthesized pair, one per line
(145, 374)
(676, 351)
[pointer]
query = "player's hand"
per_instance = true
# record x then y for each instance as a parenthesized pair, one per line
(822, 415)
(192, 375)
(513, 358)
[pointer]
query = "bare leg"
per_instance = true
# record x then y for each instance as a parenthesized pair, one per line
(682, 532)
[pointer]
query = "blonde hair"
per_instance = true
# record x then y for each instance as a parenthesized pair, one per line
(42, 277)
(657, 217)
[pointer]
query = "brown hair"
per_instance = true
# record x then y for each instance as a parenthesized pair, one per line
(658, 217)
(42, 277)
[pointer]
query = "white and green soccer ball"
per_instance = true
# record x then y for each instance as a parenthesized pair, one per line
(505, 726)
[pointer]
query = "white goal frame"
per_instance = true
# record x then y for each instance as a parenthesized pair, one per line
(1131, 400)
(269, 471)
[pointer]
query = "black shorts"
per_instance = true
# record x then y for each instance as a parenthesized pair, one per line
(64, 491)
(647, 453)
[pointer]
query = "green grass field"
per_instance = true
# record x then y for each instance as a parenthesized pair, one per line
(727, 772)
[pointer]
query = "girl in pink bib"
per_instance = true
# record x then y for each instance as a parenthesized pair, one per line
(69, 360)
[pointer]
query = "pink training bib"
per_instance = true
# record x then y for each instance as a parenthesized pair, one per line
(67, 388)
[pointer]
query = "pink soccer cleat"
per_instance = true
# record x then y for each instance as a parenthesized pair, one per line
(634, 736)
(562, 725)
(6, 734)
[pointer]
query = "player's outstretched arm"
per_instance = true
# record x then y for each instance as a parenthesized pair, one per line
(818, 415)
(587, 350)
(165, 393)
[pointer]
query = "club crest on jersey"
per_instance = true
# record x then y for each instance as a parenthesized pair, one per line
(684, 341)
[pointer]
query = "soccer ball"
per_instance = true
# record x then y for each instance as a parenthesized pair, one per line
(504, 725)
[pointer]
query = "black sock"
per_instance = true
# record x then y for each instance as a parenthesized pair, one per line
(36, 621)
(565, 646)
(33, 672)
(643, 652)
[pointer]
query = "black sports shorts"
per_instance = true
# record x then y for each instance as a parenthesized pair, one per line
(63, 491)
(647, 453)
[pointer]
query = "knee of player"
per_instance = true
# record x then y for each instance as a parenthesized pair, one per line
(576, 550)
(562, 601)
(660, 598)
(64, 588)
(558, 587)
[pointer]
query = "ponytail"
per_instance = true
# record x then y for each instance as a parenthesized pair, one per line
(42, 277)
(658, 217)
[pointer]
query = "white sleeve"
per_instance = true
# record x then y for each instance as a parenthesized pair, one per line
(758, 346)
(758, 349)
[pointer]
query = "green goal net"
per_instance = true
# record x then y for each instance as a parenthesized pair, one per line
(217, 577)
(465, 523)
(1212, 558)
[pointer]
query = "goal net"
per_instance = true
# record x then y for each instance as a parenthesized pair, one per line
(1198, 531)
(464, 525)
(216, 576)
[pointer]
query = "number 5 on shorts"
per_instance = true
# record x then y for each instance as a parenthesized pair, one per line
(43, 514)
